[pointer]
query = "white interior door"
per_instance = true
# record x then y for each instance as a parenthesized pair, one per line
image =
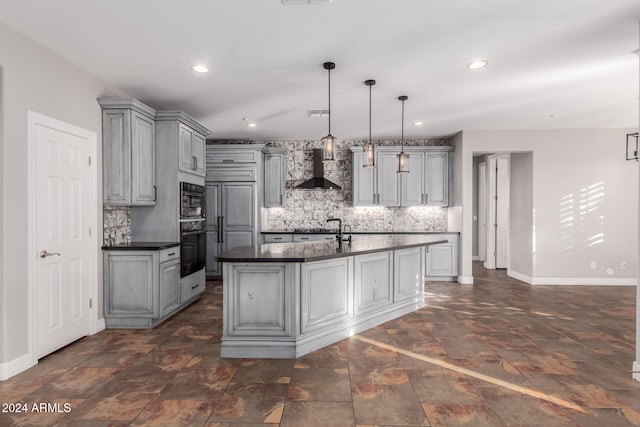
(482, 211)
(64, 277)
(502, 212)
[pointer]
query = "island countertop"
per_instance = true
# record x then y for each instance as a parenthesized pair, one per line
(316, 251)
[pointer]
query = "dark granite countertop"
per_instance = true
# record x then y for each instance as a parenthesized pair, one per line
(142, 246)
(315, 251)
(362, 232)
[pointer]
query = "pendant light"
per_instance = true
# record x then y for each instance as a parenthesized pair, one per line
(329, 141)
(369, 148)
(403, 158)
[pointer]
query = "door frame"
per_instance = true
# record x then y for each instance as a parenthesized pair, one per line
(33, 120)
(492, 208)
(482, 211)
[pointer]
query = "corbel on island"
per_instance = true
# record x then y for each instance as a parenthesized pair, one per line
(284, 300)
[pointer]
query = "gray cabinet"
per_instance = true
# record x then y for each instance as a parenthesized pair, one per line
(277, 238)
(313, 237)
(373, 281)
(141, 287)
(442, 259)
(128, 152)
(375, 186)
(428, 183)
(408, 271)
(189, 138)
(275, 172)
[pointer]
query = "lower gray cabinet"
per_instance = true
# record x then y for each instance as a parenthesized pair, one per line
(141, 287)
(442, 259)
(408, 271)
(325, 293)
(373, 281)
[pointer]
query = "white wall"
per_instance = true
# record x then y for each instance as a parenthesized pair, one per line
(521, 215)
(585, 201)
(33, 78)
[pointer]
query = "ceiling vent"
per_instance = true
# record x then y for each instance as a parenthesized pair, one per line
(305, 1)
(317, 112)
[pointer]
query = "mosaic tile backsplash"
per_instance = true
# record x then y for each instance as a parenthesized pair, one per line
(117, 225)
(311, 208)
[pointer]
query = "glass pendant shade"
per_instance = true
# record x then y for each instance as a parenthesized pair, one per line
(403, 162)
(369, 155)
(369, 148)
(403, 158)
(329, 141)
(328, 148)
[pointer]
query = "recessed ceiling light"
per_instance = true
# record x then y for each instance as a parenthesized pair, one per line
(418, 123)
(478, 63)
(252, 125)
(200, 68)
(552, 115)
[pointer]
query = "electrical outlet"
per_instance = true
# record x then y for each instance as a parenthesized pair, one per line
(609, 270)
(623, 265)
(593, 265)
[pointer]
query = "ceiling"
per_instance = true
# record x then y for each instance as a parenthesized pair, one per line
(552, 64)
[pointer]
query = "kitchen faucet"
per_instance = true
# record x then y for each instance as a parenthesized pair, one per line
(339, 231)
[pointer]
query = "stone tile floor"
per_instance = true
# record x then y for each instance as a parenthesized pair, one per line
(498, 353)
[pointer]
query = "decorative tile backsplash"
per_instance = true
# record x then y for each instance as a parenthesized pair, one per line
(117, 225)
(311, 208)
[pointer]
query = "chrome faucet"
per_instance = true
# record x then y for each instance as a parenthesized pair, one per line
(344, 230)
(339, 230)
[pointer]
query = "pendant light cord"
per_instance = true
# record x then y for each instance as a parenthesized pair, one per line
(329, 101)
(370, 114)
(402, 125)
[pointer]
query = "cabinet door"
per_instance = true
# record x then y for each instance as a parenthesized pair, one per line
(186, 159)
(130, 284)
(412, 183)
(437, 178)
(213, 268)
(169, 286)
(143, 160)
(408, 274)
(363, 182)
(387, 181)
(442, 260)
(116, 158)
(197, 147)
(325, 293)
(238, 206)
(274, 180)
(373, 281)
(256, 300)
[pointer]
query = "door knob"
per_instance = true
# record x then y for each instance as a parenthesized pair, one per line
(44, 254)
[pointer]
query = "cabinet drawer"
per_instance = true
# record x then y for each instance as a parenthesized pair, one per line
(169, 254)
(240, 172)
(192, 286)
(235, 156)
(278, 238)
(313, 237)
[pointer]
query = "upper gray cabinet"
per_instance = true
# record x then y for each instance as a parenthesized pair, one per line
(275, 171)
(428, 182)
(190, 138)
(128, 143)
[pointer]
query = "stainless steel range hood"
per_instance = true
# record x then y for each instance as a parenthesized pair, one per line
(318, 180)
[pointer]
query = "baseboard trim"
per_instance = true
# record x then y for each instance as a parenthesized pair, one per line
(15, 366)
(101, 325)
(572, 281)
(636, 370)
(465, 280)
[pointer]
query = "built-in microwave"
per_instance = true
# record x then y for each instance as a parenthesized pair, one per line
(192, 203)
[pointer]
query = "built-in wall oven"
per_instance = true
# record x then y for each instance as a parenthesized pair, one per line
(193, 245)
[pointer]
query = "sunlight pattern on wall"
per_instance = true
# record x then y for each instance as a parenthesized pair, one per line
(582, 219)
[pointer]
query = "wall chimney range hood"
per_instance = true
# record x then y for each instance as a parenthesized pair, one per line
(318, 180)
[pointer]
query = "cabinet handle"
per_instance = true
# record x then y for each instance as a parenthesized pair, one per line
(171, 254)
(218, 230)
(426, 198)
(221, 229)
(195, 286)
(227, 160)
(277, 238)
(193, 162)
(155, 193)
(304, 238)
(281, 199)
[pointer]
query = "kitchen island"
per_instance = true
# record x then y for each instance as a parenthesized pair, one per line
(284, 300)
